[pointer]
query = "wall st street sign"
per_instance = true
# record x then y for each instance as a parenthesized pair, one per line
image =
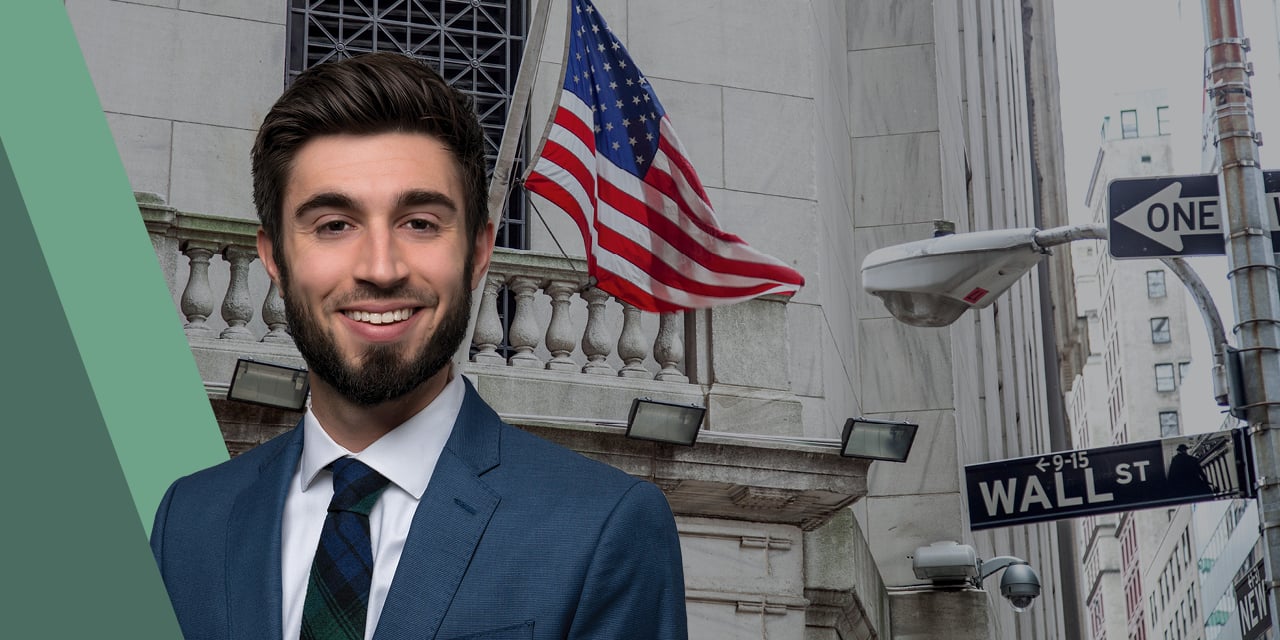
(1175, 215)
(1136, 475)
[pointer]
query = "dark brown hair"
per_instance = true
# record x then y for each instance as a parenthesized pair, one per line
(366, 95)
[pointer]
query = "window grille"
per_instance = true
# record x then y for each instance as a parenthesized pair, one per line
(475, 44)
(1169, 424)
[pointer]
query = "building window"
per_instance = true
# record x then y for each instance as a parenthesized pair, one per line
(1164, 377)
(476, 46)
(1160, 330)
(1128, 123)
(1184, 370)
(1162, 121)
(1169, 424)
(1155, 284)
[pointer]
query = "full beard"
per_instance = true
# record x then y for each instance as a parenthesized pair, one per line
(383, 374)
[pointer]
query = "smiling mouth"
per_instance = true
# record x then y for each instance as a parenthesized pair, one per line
(386, 317)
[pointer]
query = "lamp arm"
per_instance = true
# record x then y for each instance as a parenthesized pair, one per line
(1212, 322)
(1195, 287)
(988, 567)
(1070, 233)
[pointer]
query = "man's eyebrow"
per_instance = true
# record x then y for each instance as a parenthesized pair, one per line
(421, 197)
(325, 200)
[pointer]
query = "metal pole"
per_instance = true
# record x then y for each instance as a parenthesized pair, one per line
(1251, 261)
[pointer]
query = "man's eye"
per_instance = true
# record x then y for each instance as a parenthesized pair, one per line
(419, 224)
(334, 226)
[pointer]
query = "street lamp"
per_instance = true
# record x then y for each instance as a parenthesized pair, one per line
(932, 282)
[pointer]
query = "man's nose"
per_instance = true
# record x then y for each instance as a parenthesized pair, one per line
(381, 261)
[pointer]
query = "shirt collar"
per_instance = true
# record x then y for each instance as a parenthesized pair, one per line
(406, 455)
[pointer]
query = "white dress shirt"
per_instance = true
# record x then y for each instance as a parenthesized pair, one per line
(406, 456)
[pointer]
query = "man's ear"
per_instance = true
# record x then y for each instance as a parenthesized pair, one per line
(266, 253)
(483, 253)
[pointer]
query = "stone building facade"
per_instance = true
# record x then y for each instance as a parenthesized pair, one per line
(822, 129)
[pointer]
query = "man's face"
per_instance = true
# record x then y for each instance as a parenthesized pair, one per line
(379, 269)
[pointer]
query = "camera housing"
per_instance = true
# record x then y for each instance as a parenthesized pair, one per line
(1020, 586)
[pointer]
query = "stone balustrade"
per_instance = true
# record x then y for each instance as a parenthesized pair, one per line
(555, 312)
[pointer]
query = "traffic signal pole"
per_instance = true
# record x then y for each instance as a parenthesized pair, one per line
(1255, 286)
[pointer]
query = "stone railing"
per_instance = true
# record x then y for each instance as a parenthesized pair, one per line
(558, 322)
(561, 280)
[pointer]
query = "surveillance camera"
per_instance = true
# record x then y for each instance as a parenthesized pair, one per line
(945, 563)
(932, 282)
(1020, 585)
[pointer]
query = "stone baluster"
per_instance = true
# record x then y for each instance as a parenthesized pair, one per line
(668, 347)
(524, 327)
(631, 345)
(236, 308)
(197, 297)
(488, 333)
(560, 328)
(273, 314)
(596, 338)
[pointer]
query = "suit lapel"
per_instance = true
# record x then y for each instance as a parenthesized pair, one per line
(253, 547)
(450, 520)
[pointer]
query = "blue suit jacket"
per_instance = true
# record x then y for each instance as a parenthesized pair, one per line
(515, 537)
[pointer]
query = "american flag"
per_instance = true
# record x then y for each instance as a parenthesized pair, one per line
(612, 161)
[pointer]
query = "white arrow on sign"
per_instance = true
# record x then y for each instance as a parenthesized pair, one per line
(1166, 217)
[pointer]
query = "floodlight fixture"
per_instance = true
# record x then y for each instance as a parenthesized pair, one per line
(669, 422)
(877, 439)
(270, 385)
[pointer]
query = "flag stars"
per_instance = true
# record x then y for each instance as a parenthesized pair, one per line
(646, 97)
(649, 137)
(630, 83)
(616, 45)
(639, 159)
(616, 146)
(643, 118)
(600, 47)
(613, 85)
(632, 141)
(617, 103)
(626, 122)
(635, 100)
(608, 126)
(597, 128)
(608, 67)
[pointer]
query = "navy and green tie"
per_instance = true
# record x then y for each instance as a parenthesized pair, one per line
(338, 590)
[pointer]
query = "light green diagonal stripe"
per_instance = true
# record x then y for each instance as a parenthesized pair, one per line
(103, 266)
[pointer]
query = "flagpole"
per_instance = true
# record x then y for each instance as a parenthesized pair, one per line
(519, 108)
(551, 118)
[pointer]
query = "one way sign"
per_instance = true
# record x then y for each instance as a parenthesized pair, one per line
(1175, 216)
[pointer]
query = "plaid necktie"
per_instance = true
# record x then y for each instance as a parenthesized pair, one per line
(338, 589)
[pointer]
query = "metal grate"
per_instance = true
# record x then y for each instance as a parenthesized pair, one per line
(475, 44)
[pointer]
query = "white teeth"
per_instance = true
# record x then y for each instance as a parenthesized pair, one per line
(387, 317)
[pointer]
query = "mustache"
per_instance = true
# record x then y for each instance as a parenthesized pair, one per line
(365, 292)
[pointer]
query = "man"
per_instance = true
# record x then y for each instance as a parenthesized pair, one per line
(401, 506)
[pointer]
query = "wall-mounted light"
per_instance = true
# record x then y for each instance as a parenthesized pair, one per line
(877, 439)
(269, 384)
(664, 421)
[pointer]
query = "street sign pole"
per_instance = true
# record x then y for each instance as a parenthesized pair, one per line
(1251, 260)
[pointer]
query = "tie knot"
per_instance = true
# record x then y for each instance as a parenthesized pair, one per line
(356, 487)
